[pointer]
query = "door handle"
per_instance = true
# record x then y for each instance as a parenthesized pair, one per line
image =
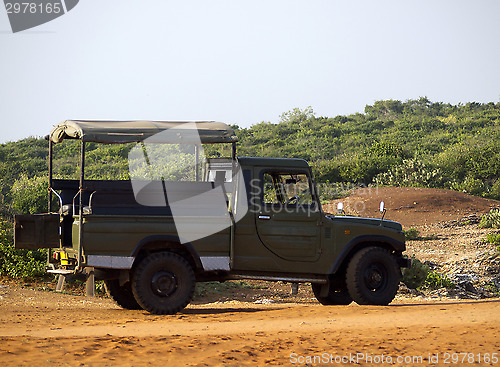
(266, 217)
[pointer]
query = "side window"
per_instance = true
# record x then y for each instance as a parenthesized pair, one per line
(269, 190)
(286, 189)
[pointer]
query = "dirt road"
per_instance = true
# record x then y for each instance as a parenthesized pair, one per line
(48, 329)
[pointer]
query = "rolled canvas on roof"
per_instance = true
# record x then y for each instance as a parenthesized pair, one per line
(114, 132)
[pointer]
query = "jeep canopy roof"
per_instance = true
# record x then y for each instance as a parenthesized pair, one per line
(114, 132)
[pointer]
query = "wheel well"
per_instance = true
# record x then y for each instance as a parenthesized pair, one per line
(168, 246)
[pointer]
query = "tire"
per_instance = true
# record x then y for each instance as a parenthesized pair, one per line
(373, 277)
(122, 295)
(337, 295)
(163, 283)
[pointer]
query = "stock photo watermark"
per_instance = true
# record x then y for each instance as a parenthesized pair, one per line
(429, 359)
(25, 14)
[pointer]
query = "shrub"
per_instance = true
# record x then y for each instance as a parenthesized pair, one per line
(415, 276)
(19, 263)
(435, 281)
(30, 195)
(494, 192)
(419, 276)
(412, 172)
(412, 234)
(493, 238)
(490, 220)
(470, 185)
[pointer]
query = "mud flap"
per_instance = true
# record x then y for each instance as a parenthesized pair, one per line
(325, 289)
(34, 231)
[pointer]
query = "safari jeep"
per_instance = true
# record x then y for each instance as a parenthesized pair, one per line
(185, 214)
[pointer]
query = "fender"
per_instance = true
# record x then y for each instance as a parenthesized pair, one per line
(355, 243)
(169, 238)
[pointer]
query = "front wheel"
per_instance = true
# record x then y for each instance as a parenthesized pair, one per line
(373, 277)
(163, 283)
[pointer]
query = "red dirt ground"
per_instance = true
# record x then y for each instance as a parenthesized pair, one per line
(413, 206)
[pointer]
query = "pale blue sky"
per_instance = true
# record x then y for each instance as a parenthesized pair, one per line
(243, 62)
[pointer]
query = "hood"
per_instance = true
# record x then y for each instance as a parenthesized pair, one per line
(368, 221)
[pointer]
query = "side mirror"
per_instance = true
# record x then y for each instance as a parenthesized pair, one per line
(340, 208)
(382, 210)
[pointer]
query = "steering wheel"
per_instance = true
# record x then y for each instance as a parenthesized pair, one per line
(293, 200)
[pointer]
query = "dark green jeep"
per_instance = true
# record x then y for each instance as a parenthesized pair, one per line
(181, 217)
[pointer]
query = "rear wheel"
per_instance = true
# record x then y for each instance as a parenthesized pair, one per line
(337, 294)
(163, 283)
(373, 277)
(122, 295)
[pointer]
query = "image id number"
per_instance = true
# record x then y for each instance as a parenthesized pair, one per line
(33, 8)
(453, 358)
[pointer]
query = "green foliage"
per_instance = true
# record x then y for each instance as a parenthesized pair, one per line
(412, 234)
(30, 195)
(404, 143)
(419, 276)
(490, 220)
(412, 172)
(15, 263)
(415, 276)
(470, 185)
(493, 238)
(435, 281)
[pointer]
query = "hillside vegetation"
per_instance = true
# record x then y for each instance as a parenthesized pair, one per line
(411, 143)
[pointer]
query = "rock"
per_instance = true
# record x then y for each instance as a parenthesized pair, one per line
(431, 264)
(264, 301)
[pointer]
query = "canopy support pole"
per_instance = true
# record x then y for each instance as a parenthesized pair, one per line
(50, 177)
(80, 209)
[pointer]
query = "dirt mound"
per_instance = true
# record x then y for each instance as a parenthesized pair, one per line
(413, 206)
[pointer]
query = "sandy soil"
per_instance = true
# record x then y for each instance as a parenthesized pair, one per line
(50, 329)
(45, 328)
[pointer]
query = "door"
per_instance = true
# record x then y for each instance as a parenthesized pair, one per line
(34, 231)
(288, 219)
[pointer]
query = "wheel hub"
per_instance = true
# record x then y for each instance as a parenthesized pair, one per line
(163, 283)
(374, 277)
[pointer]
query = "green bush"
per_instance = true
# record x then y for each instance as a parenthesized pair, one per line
(412, 173)
(472, 186)
(412, 234)
(435, 281)
(494, 192)
(30, 194)
(420, 276)
(490, 220)
(415, 276)
(493, 238)
(15, 263)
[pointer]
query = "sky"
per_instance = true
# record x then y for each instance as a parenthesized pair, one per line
(243, 62)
